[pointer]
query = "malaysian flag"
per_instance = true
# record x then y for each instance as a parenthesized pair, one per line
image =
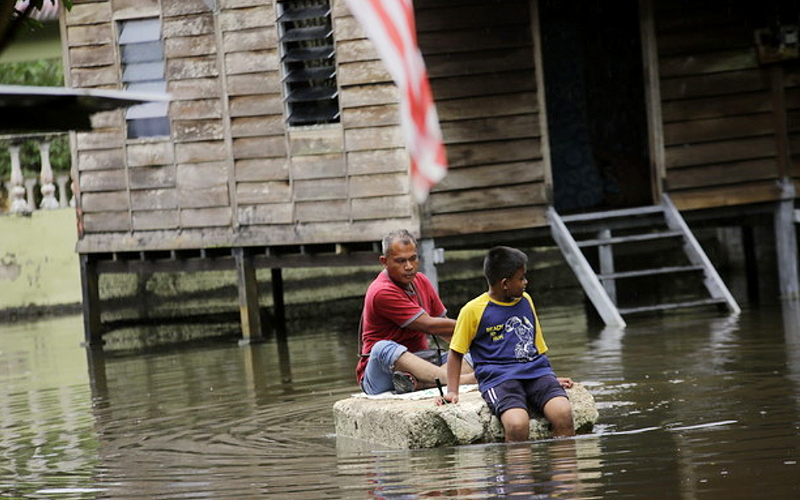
(391, 27)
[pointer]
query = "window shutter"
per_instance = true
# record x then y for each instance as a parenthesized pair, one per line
(309, 63)
(142, 55)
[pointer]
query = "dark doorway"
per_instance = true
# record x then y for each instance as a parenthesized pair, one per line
(594, 89)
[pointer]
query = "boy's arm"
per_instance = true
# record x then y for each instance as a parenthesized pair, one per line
(454, 359)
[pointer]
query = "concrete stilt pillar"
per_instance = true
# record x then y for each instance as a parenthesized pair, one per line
(279, 306)
(430, 256)
(247, 285)
(786, 242)
(92, 327)
(605, 254)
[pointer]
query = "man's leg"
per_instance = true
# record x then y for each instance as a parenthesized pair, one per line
(382, 361)
(466, 368)
(426, 373)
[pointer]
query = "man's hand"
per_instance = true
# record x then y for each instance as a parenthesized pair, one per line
(450, 397)
(565, 382)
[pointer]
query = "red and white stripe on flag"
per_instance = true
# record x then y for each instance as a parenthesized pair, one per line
(391, 27)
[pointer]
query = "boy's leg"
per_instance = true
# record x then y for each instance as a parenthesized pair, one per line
(558, 411)
(507, 401)
(546, 395)
(516, 424)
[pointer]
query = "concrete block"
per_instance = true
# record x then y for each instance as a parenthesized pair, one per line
(416, 421)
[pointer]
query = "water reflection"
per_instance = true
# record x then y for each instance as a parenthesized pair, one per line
(692, 407)
(563, 468)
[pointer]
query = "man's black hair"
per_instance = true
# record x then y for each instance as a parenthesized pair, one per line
(502, 262)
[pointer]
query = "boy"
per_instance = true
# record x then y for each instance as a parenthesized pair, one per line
(501, 331)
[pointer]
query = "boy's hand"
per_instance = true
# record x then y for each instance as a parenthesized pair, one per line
(447, 398)
(565, 382)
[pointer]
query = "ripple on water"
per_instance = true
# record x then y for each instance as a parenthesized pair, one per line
(686, 411)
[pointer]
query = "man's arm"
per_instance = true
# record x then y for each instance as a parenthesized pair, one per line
(442, 327)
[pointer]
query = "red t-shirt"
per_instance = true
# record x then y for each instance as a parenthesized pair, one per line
(388, 309)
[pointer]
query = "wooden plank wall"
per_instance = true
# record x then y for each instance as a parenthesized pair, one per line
(374, 146)
(480, 59)
(723, 115)
(91, 61)
(233, 173)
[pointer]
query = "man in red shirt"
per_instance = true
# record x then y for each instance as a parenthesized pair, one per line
(401, 308)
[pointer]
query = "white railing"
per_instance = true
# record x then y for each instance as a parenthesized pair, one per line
(19, 195)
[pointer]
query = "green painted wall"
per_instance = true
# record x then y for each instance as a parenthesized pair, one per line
(41, 43)
(38, 263)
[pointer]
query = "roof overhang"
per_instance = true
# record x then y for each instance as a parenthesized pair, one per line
(47, 109)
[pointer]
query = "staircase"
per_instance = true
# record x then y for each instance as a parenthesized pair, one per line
(658, 226)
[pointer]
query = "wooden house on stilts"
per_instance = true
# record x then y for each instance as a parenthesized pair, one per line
(591, 123)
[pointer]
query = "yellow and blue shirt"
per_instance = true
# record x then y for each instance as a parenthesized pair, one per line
(504, 339)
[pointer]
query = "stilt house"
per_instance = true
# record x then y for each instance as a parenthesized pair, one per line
(282, 145)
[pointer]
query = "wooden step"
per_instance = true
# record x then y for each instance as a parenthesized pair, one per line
(628, 239)
(603, 295)
(610, 214)
(650, 272)
(674, 305)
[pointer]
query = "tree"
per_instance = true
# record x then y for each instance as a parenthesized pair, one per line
(13, 20)
(47, 73)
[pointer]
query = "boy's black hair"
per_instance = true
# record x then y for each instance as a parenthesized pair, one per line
(502, 262)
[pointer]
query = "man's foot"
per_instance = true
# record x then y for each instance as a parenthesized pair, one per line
(403, 382)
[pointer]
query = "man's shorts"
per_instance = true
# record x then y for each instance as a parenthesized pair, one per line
(382, 358)
(531, 394)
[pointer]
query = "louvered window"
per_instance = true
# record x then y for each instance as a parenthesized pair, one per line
(309, 66)
(142, 54)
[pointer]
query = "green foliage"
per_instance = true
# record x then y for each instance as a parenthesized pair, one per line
(47, 73)
(42, 72)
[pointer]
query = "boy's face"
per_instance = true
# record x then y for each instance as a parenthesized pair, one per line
(515, 285)
(401, 263)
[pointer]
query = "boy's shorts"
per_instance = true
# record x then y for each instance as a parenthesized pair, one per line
(531, 394)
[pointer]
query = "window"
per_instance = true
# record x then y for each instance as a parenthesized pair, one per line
(142, 55)
(309, 66)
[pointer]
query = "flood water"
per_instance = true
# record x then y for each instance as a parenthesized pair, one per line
(697, 406)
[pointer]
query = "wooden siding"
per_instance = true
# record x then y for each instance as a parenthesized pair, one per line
(723, 113)
(480, 58)
(232, 172)
(373, 145)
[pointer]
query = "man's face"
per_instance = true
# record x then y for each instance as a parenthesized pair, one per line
(401, 263)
